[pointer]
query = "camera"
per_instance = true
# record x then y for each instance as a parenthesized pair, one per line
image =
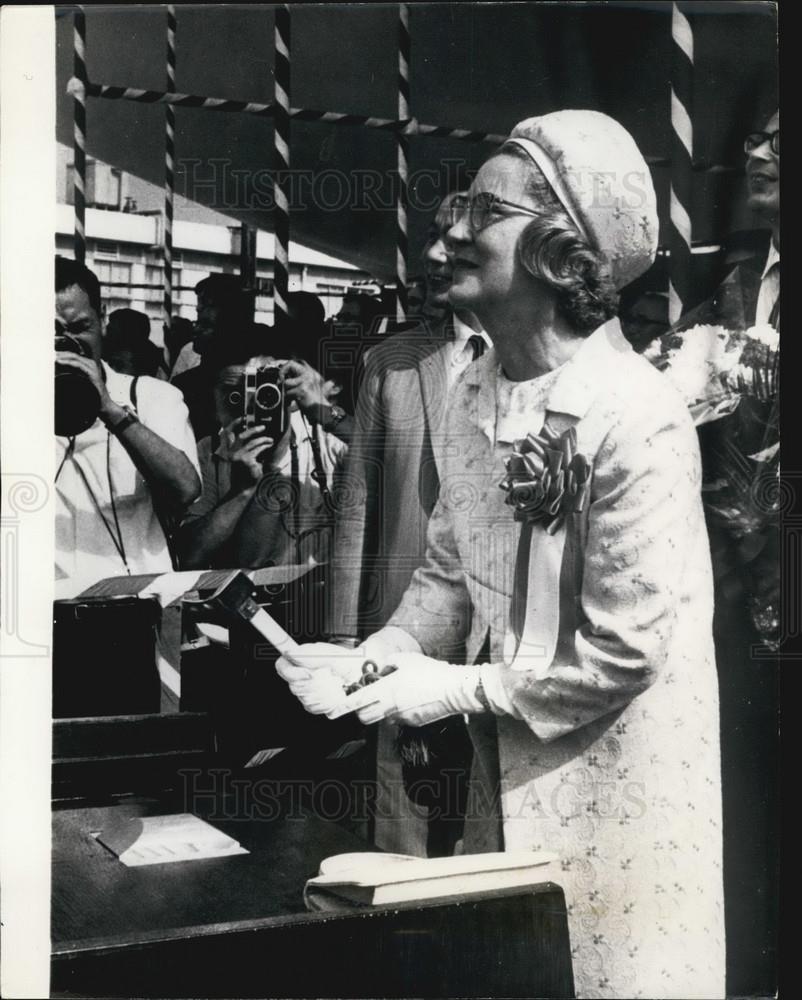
(264, 400)
(77, 401)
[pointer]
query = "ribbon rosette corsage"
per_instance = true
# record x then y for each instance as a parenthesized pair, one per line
(547, 478)
(547, 483)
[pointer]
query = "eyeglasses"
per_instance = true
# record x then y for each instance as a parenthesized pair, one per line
(482, 207)
(755, 139)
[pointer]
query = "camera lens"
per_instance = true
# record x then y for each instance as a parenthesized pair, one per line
(77, 402)
(267, 396)
(66, 342)
(234, 398)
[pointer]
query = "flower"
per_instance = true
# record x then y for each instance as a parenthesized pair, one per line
(714, 368)
(547, 478)
(765, 334)
(696, 361)
(722, 372)
(757, 369)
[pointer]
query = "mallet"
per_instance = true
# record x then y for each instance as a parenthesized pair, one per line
(233, 598)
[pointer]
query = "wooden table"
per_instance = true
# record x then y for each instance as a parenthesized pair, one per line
(237, 926)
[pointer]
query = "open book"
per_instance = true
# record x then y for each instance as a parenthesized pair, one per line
(384, 879)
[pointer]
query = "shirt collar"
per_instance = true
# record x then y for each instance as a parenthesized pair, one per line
(577, 385)
(462, 331)
(772, 259)
(118, 385)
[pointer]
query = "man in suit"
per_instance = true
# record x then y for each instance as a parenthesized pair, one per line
(763, 176)
(391, 485)
(750, 293)
(749, 680)
(739, 468)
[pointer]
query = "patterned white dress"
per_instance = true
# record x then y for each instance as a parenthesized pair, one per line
(614, 763)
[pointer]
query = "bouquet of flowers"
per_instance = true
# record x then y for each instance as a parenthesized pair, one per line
(734, 374)
(714, 368)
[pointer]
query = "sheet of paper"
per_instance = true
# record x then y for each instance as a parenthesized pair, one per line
(169, 587)
(155, 840)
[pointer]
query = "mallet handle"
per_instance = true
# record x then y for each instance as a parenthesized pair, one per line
(270, 629)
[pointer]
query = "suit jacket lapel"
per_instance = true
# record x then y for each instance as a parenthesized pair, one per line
(434, 392)
(480, 379)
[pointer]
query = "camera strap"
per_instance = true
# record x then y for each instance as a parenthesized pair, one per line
(295, 482)
(117, 539)
(68, 452)
(319, 473)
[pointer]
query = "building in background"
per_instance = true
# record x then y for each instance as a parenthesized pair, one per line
(124, 248)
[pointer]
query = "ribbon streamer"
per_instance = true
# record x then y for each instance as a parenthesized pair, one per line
(531, 642)
(547, 484)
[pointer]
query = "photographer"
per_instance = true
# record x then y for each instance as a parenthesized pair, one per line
(125, 456)
(265, 497)
(225, 309)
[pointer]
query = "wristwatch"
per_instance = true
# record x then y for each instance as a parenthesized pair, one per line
(336, 414)
(124, 422)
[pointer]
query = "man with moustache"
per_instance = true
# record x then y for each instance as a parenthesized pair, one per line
(390, 488)
(123, 474)
(137, 459)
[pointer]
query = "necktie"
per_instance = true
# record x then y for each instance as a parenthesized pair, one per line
(477, 345)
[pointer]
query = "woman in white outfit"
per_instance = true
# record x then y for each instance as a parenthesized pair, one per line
(583, 585)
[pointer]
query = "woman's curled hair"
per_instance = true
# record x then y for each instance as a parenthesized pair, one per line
(551, 249)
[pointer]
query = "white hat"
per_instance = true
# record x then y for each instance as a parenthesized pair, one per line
(602, 181)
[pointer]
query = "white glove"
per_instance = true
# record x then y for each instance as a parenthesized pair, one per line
(388, 640)
(321, 692)
(320, 672)
(420, 690)
(318, 675)
(345, 662)
(314, 656)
